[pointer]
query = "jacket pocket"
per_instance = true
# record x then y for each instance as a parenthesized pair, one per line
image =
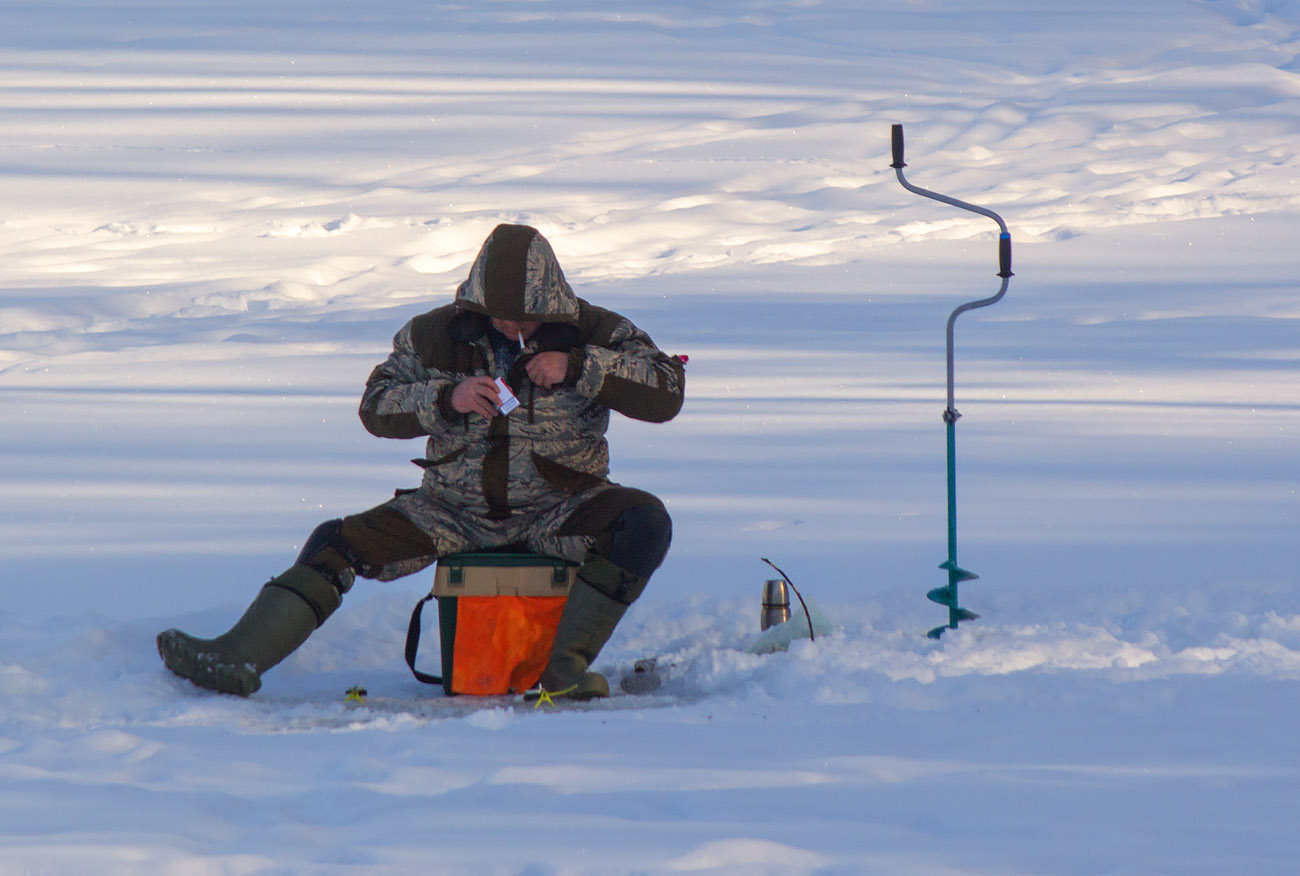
(441, 460)
(562, 477)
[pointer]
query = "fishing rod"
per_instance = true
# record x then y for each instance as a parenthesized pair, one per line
(947, 595)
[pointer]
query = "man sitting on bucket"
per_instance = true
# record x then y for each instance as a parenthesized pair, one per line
(535, 476)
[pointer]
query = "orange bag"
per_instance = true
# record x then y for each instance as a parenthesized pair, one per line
(497, 614)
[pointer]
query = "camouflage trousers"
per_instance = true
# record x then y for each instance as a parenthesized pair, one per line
(413, 529)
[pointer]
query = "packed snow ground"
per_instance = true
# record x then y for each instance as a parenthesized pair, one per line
(214, 216)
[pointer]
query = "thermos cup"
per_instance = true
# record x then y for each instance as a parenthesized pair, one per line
(776, 603)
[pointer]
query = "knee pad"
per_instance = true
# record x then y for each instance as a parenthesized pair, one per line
(327, 551)
(639, 539)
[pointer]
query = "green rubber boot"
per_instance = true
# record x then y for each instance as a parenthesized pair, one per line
(286, 611)
(589, 619)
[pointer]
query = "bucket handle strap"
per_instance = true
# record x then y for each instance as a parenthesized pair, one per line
(413, 644)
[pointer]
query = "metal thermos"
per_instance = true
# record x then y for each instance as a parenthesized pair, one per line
(776, 603)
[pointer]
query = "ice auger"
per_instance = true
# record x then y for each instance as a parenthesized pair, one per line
(947, 595)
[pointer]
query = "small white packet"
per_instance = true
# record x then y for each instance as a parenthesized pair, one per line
(508, 400)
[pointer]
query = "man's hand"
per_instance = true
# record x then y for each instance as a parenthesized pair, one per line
(476, 395)
(548, 369)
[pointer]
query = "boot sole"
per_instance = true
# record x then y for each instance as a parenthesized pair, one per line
(184, 656)
(593, 686)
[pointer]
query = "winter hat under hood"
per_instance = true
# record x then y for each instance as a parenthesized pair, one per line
(517, 277)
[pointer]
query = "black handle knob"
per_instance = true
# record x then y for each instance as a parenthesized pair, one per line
(897, 137)
(1004, 256)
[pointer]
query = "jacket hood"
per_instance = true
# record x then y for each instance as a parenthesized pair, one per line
(517, 276)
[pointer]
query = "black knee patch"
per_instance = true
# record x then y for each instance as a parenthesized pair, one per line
(328, 552)
(639, 539)
(631, 527)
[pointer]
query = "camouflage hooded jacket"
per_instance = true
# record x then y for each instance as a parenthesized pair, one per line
(553, 445)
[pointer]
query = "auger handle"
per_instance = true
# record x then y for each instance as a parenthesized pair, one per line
(1004, 246)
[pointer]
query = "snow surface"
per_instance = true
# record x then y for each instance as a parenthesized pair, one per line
(213, 216)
